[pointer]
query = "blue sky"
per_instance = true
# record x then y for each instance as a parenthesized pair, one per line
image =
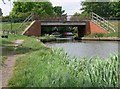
(69, 6)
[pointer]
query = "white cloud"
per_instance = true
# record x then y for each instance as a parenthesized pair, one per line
(63, 1)
(70, 7)
(7, 7)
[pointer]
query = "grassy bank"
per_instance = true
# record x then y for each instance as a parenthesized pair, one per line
(44, 67)
(113, 34)
(116, 24)
(7, 45)
(15, 26)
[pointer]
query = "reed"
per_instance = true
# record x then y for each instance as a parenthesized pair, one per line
(52, 68)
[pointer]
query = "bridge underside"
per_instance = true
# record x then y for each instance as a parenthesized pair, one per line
(81, 25)
(81, 28)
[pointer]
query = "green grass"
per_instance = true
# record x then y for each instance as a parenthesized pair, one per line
(45, 67)
(8, 46)
(113, 34)
(7, 26)
(116, 24)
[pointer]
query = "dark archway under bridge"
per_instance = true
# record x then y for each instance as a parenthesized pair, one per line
(81, 25)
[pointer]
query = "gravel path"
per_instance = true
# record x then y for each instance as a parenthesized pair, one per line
(7, 70)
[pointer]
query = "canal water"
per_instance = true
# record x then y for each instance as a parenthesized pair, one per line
(87, 49)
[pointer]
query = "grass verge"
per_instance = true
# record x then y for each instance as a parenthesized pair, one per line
(7, 27)
(113, 34)
(7, 46)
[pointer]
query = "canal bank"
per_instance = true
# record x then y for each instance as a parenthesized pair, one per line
(80, 39)
(99, 39)
(43, 67)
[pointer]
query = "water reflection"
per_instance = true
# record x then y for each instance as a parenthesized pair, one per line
(87, 49)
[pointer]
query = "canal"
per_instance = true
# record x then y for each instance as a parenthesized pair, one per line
(87, 49)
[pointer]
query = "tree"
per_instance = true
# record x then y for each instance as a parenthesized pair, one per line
(58, 10)
(115, 9)
(104, 9)
(41, 8)
(1, 12)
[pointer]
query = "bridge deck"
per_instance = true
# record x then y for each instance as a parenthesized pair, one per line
(62, 23)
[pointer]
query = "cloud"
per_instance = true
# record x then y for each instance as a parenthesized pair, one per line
(70, 7)
(7, 7)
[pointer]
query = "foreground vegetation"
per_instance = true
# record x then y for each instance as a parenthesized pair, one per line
(7, 45)
(44, 67)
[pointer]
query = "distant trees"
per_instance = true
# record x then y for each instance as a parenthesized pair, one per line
(104, 9)
(22, 9)
(58, 10)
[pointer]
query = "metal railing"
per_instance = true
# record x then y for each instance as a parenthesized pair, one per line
(29, 18)
(102, 22)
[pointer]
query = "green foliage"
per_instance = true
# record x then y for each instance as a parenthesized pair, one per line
(58, 10)
(44, 67)
(7, 27)
(21, 9)
(99, 34)
(80, 16)
(115, 9)
(7, 45)
(112, 34)
(104, 9)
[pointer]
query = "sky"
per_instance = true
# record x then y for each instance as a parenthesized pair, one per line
(69, 6)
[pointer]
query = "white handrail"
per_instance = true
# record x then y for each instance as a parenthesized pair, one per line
(102, 22)
(26, 20)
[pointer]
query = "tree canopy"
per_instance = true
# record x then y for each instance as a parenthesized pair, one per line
(22, 9)
(58, 10)
(104, 9)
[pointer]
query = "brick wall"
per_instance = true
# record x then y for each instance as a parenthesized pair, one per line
(94, 28)
(34, 29)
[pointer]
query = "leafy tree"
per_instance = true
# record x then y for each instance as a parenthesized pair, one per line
(115, 9)
(104, 9)
(58, 10)
(1, 12)
(41, 8)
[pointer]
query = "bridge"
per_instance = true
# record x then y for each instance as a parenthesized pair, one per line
(94, 24)
(62, 23)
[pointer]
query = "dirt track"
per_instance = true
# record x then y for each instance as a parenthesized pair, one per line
(8, 67)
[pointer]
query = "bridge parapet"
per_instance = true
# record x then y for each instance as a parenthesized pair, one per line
(63, 18)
